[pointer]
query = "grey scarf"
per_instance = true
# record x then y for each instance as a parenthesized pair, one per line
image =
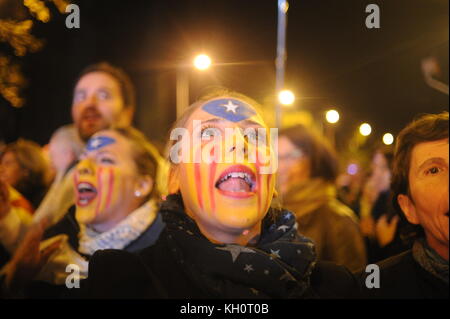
(430, 260)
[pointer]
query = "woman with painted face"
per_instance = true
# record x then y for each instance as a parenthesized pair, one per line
(116, 208)
(222, 238)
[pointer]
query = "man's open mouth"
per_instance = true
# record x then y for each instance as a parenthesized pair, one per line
(86, 192)
(237, 181)
(91, 115)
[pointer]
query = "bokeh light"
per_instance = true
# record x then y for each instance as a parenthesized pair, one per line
(388, 138)
(202, 62)
(352, 169)
(286, 97)
(332, 116)
(365, 129)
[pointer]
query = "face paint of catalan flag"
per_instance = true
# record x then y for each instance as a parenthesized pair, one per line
(232, 110)
(104, 179)
(222, 194)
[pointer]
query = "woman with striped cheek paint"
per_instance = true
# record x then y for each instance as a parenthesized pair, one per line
(228, 200)
(107, 181)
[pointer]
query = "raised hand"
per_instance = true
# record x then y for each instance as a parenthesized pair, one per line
(385, 230)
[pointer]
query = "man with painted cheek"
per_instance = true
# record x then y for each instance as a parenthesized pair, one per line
(420, 192)
(228, 188)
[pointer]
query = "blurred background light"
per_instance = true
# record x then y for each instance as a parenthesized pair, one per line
(286, 97)
(352, 169)
(202, 62)
(365, 129)
(332, 116)
(388, 138)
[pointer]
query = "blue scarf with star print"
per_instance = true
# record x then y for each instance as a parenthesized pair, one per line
(278, 266)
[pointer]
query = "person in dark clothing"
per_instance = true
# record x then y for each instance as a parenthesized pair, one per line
(222, 239)
(420, 191)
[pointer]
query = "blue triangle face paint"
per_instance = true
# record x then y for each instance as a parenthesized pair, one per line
(230, 109)
(98, 142)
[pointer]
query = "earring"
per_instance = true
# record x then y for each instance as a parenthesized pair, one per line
(137, 193)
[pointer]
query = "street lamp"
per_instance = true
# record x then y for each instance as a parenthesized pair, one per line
(286, 97)
(200, 62)
(332, 116)
(365, 129)
(388, 139)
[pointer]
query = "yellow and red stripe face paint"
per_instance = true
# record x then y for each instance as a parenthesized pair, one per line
(206, 202)
(104, 181)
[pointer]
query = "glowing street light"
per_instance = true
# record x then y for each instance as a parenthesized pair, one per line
(388, 138)
(365, 129)
(286, 97)
(202, 62)
(332, 116)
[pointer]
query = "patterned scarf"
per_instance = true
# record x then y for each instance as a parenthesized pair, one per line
(279, 266)
(121, 235)
(430, 260)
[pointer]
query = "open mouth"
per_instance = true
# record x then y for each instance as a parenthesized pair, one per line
(446, 214)
(237, 181)
(86, 192)
(91, 115)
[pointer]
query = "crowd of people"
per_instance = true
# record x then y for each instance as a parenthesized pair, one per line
(219, 215)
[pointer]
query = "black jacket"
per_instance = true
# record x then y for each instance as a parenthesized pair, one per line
(401, 277)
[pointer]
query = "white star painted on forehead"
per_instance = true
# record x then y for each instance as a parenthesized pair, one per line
(95, 142)
(230, 107)
(235, 250)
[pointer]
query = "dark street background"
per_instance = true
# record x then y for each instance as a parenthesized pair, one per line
(333, 60)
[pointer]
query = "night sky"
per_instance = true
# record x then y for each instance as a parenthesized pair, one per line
(333, 60)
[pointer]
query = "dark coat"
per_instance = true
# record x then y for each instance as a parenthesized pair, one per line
(401, 277)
